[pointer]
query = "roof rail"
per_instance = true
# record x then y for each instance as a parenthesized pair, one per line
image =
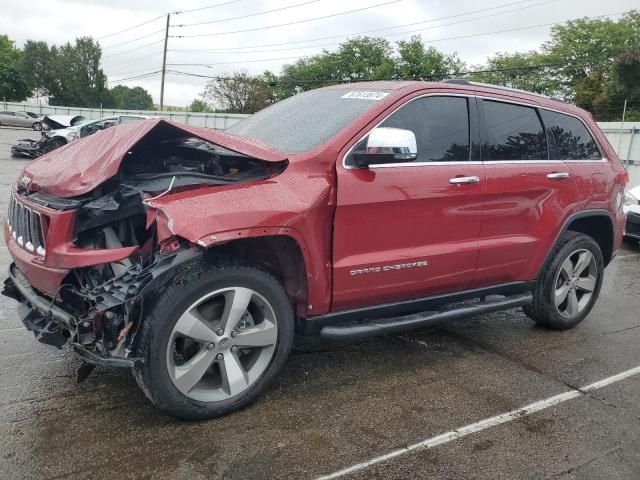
(462, 81)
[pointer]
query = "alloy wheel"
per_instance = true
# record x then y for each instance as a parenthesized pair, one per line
(575, 283)
(222, 344)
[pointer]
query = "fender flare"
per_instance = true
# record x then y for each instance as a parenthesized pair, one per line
(568, 221)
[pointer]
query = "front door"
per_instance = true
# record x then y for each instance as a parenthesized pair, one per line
(410, 230)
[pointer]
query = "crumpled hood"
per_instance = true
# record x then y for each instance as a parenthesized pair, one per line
(79, 167)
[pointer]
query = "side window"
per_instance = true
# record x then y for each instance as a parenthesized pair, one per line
(570, 138)
(512, 132)
(440, 124)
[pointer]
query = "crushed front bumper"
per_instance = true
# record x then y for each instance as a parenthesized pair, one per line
(51, 324)
(114, 299)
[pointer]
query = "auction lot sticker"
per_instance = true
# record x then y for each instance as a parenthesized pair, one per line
(363, 95)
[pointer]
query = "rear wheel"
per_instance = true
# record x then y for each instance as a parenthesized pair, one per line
(568, 288)
(214, 340)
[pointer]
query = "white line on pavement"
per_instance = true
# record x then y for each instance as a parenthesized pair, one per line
(486, 423)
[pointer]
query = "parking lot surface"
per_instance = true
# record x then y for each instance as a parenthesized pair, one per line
(335, 406)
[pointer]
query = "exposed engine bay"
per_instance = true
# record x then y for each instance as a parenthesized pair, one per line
(99, 308)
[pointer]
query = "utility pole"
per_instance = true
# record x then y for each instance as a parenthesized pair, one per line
(624, 112)
(164, 62)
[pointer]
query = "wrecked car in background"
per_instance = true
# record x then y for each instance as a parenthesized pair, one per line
(63, 130)
(34, 148)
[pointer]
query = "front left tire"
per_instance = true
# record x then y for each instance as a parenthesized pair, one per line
(214, 340)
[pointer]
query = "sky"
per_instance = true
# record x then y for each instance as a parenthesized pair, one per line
(224, 43)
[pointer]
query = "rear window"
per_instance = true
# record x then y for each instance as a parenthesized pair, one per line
(307, 120)
(570, 139)
(512, 132)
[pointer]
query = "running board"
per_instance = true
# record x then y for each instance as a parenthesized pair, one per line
(423, 319)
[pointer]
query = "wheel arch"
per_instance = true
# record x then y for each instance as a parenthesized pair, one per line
(598, 224)
(280, 254)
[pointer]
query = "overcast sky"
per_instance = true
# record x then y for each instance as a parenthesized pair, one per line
(59, 21)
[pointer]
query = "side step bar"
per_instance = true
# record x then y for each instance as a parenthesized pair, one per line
(407, 322)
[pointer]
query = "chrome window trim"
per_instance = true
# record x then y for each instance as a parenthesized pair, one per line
(419, 164)
(488, 162)
(412, 164)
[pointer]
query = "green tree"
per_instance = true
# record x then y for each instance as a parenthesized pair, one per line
(417, 62)
(13, 86)
(198, 105)
(38, 64)
(585, 51)
(238, 92)
(71, 74)
(525, 71)
(360, 58)
(127, 98)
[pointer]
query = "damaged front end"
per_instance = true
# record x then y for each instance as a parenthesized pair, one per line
(87, 266)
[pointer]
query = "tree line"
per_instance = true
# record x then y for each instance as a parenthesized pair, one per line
(69, 74)
(594, 63)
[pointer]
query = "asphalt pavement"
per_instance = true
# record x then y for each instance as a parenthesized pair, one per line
(453, 395)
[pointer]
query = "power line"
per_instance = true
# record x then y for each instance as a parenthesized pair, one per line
(134, 39)
(387, 28)
(435, 76)
(130, 28)
(361, 32)
(137, 77)
(209, 65)
(429, 41)
(248, 15)
(288, 23)
(133, 60)
(132, 49)
(205, 8)
(235, 50)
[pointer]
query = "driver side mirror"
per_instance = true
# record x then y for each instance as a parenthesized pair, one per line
(387, 145)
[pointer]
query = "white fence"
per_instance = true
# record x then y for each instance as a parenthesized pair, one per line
(218, 121)
(625, 139)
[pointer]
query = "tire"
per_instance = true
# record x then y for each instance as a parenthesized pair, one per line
(168, 352)
(37, 126)
(549, 308)
(53, 144)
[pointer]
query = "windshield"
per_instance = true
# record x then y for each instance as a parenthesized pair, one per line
(305, 121)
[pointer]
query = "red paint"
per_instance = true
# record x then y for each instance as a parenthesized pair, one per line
(498, 230)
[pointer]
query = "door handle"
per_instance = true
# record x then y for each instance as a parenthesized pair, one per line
(461, 180)
(558, 175)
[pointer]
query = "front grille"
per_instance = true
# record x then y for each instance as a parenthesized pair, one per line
(26, 228)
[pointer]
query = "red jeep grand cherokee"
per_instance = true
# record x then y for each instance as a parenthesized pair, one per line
(192, 256)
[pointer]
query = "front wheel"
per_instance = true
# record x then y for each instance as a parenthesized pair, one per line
(214, 340)
(37, 126)
(54, 143)
(568, 288)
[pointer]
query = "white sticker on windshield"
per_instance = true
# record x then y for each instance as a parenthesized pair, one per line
(362, 95)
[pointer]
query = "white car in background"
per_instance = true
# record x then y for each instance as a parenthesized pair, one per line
(60, 137)
(632, 209)
(20, 119)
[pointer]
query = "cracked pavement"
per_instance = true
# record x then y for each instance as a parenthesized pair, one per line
(335, 405)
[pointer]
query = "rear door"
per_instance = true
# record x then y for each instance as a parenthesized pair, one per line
(410, 230)
(528, 193)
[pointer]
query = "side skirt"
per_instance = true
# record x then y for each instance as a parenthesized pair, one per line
(511, 295)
